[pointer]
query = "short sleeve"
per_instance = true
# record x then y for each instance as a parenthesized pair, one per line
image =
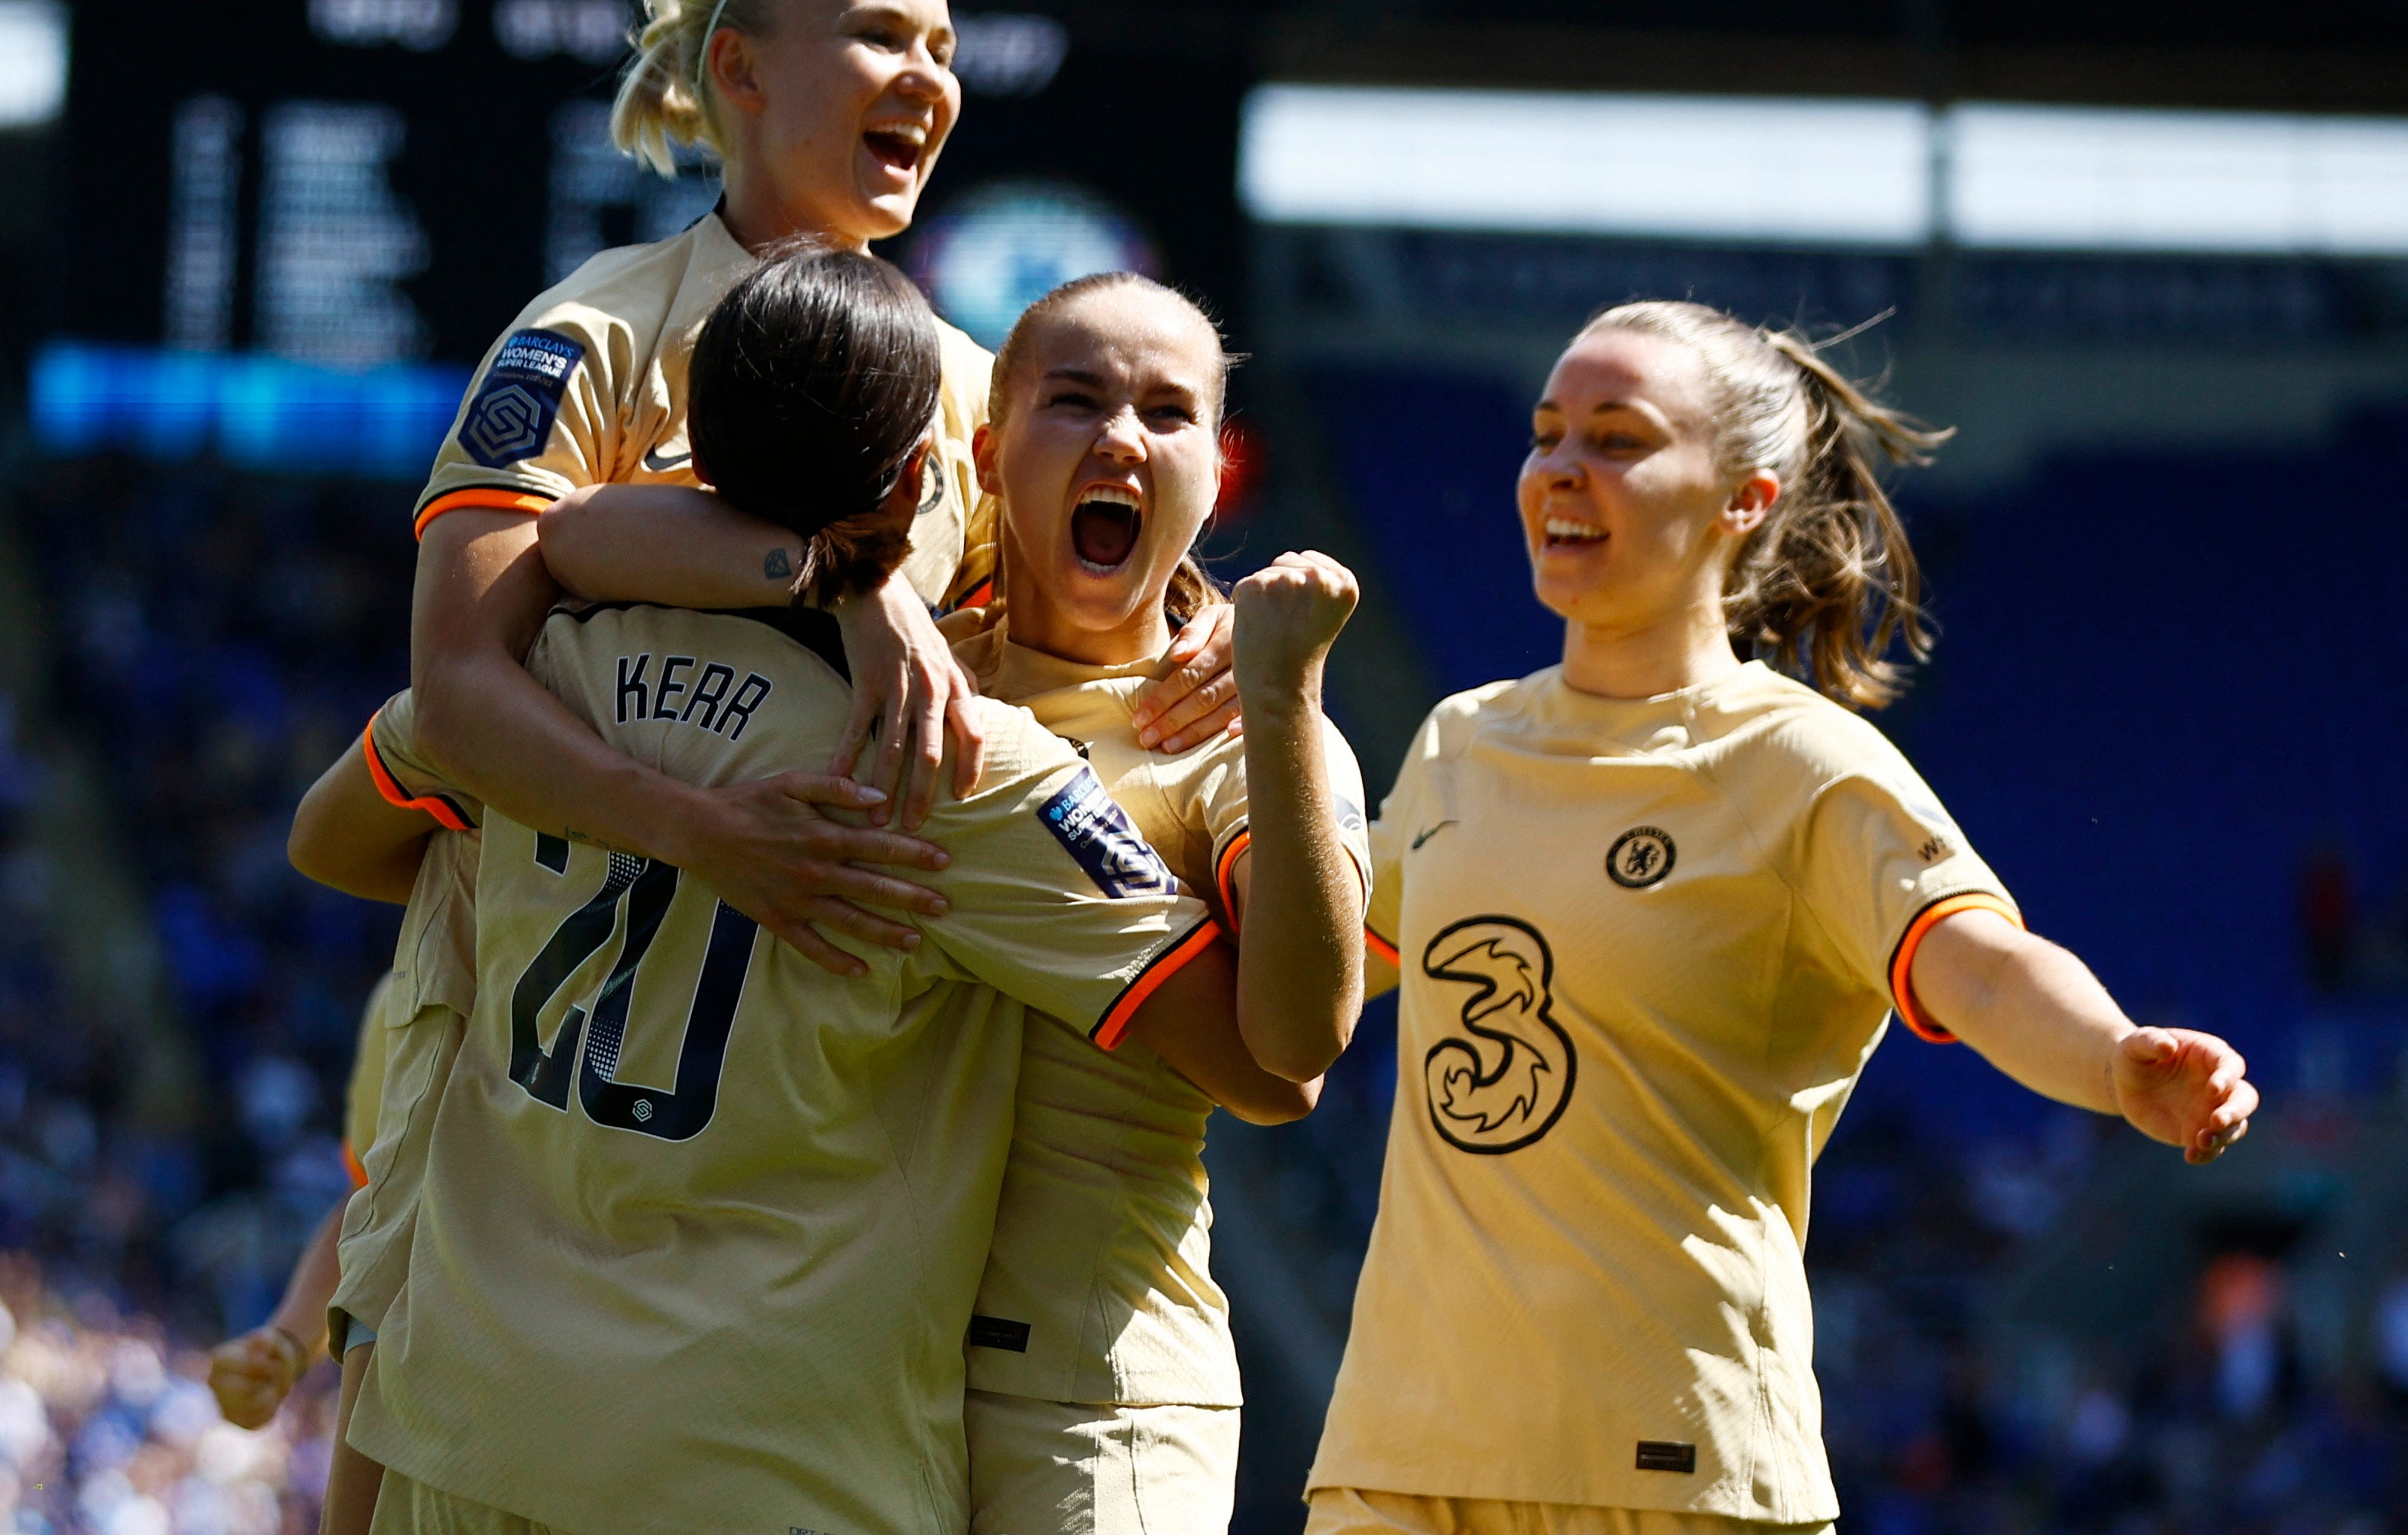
(404, 777)
(1055, 899)
(1222, 806)
(539, 420)
(1882, 865)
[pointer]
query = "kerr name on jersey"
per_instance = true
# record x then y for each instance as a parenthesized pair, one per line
(699, 698)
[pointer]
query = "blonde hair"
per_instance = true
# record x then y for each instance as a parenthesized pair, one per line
(1192, 587)
(1827, 583)
(662, 102)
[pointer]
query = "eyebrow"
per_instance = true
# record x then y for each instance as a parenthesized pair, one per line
(1076, 376)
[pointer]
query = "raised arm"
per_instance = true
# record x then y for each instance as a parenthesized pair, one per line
(2035, 1012)
(1298, 896)
(483, 593)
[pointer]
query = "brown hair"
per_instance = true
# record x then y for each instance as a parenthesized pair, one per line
(661, 101)
(812, 386)
(1829, 582)
(1192, 587)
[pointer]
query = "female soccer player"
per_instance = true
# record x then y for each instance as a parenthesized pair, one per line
(1652, 908)
(738, 1203)
(827, 117)
(1103, 1385)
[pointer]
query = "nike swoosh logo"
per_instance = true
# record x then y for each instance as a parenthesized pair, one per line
(659, 465)
(1427, 835)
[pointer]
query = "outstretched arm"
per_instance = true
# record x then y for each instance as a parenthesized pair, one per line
(1299, 895)
(2035, 1012)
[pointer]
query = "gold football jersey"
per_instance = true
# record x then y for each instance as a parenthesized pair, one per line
(1646, 949)
(588, 387)
(701, 1223)
(1099, 1287)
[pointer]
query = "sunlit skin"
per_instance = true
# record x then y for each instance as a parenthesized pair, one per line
(1621, 461)
(1117, 393)
(834, 119)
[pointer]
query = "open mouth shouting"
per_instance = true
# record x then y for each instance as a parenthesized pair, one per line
(1565, 532)
(1104, 528)
(900, 147)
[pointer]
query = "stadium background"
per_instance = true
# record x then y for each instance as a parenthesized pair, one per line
(246, 252)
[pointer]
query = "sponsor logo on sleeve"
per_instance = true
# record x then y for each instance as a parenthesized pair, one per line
(1097, 831)
(510, 417)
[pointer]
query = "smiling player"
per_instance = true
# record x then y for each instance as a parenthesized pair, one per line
(1652, 907)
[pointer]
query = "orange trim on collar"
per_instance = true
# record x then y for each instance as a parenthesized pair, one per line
(446, 814)
(490, 498)
(1901, 964)
(1114, 1027)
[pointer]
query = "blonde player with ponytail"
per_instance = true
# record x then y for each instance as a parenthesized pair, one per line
(826, 117)
(1652, 909)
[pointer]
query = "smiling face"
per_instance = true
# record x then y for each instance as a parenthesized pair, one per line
(1107, 461)
(1629, 518)
(834, 118)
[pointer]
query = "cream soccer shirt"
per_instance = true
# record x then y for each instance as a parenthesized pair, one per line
(1646, 949)
(1099, 1287)
(588, 387)
(701, 1223)
(414, 1036)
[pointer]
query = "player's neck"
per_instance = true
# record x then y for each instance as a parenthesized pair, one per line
(1683, 649)
(1048, 629)
(759, 214)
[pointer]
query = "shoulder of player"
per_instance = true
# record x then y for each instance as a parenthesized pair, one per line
(624, 293)
(1448, 728)
(1017, 746)
(767, 637)
(968, 373)
(1783, 742)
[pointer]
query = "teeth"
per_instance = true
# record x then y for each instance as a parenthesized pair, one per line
(1112, 495)
(1560, 527)
(916, 133)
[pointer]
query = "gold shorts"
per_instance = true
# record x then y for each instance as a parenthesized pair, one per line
(405, 1507)
(1357, 1511)
(1055, 1468)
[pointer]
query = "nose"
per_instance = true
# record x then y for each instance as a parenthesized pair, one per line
(1120, 438)
(923, 80)
(1559, 468)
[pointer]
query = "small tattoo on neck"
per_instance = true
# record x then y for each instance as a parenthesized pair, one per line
(777, 567)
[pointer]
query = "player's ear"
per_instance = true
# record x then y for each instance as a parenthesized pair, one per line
(983, 452)
(903, 502)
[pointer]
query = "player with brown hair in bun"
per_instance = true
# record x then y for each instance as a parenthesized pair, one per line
(1652, 907)
(827, 118)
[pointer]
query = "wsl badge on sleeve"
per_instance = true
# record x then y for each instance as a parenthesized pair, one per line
(511, 418)
(1097, 831)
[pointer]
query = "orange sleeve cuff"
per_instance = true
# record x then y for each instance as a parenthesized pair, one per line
(1114, 1027)
(492, 498)
(446, 814)
(351, 1165)
(1901, 964)
(1380, 948)
(1225, 874)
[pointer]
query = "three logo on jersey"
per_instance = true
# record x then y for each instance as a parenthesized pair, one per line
(1504, 1081)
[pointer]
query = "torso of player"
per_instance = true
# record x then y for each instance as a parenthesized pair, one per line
(641, 1154)
(1628, 1021)
(1102, 1244)
(589, 386)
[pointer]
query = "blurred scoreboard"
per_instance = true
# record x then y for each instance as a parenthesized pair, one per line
(362, 184)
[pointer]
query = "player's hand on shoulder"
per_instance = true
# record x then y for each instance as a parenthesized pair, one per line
(1195, 697)
(909, 689)
(2185, 1088)
(253, 1374)
(1288, 615)
(768, 850)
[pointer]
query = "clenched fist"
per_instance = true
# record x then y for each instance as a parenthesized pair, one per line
(1288, 615)
(2185, 1088)
(253, 1373)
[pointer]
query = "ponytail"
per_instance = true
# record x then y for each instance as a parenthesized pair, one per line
(662, 97)
(1828, 584)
